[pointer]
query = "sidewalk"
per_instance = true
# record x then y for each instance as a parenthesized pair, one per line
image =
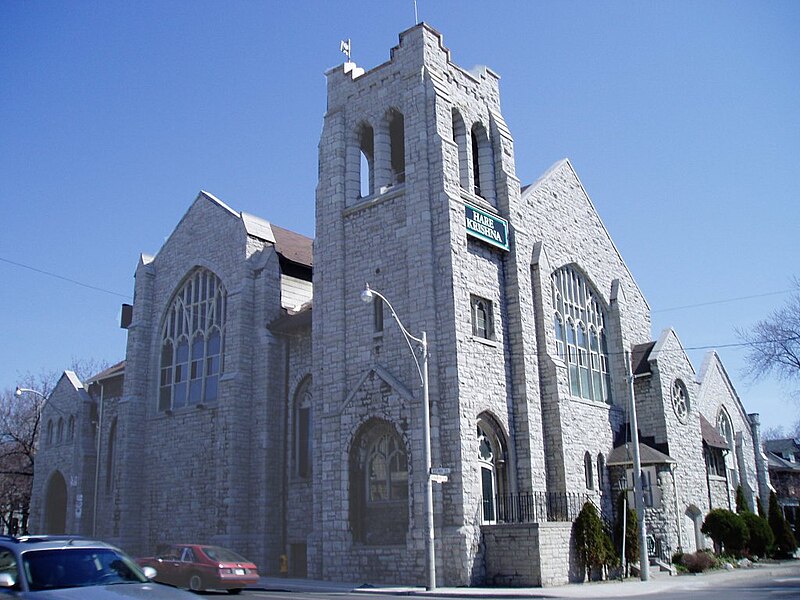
(658, 582)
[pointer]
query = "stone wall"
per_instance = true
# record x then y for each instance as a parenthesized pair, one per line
(530, 554)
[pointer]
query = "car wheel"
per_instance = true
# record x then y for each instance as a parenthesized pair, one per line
(196, 583)
(235, 591)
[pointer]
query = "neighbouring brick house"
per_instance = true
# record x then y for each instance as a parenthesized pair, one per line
(262, 406)
(784, 472)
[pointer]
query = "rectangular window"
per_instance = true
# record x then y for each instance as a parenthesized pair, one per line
(304, 442)
(377, 316)
(482, 317)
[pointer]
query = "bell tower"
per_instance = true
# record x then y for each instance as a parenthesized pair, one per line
(416, 191)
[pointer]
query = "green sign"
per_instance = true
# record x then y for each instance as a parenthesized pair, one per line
(487, 227)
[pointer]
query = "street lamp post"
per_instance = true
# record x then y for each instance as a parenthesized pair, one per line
(368, 296)
(638, 492)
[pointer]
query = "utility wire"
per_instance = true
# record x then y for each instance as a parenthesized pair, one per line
(57, 276)
(724, 301)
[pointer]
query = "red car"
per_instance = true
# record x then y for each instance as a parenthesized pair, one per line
(202, 568)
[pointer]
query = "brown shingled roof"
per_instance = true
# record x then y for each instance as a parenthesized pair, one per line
(293, 246)
(710, 435)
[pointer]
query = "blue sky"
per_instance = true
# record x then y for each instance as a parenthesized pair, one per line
(681, 118)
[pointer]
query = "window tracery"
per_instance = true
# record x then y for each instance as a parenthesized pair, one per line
(579, 326)
(192, 342)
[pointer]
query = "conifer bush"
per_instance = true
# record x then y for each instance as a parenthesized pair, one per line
(742, 505)
(760, 534)
(592, 542)
(785, 544)
(728, 530)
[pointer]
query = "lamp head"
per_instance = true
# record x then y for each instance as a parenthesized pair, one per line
(367, 295)
(18, 392)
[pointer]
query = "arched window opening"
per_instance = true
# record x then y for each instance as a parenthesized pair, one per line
(460, 138)
(378, 485)
(303, 420)
(482, 163)
(601, 473)
(587, 471)
(491, 460)
(579, 311)
(60, 434)
(482, 317)
(476, 166)
(725, 429)
(192, 343)
(560, 337)
(397, 146)
(49, 437)
(71, 428)
(366, 146)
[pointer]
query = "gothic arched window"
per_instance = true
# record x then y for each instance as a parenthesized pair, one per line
(482, 163)
(378, 485)
(587, 471)
(366, 147)
(725, 429)
(192, 342)
(460, 139)
(491, 463)
(579, 324)
(397, 146)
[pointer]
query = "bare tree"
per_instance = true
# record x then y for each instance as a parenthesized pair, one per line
(19, 428)
(781, 433)
(774, 343)
(20, 422)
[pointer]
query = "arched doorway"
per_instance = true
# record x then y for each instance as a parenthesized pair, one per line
(55, 512)
(693, 538)
(491, 460)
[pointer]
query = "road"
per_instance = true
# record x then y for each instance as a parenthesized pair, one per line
(760, 583)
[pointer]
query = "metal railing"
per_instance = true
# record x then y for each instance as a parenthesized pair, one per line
(539, 507)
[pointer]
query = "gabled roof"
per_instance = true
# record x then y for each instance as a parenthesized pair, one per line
(776, 463)
(782, 446)
(565, 163)
(623, 455)
(640, 357)
(109, 373)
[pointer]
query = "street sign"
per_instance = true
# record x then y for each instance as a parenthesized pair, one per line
(440, 471)
(439, 478)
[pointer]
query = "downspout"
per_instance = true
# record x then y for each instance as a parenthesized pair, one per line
(673, 470)
(706, 453)
(286, 436)
(99, 446)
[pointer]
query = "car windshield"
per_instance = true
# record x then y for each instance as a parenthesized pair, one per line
(223, 554)
(78, 567)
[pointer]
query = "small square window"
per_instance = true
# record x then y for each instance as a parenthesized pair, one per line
(482, 317)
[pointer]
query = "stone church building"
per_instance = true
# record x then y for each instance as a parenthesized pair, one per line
(262, 406)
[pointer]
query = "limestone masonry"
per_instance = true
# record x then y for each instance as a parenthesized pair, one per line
(262, 406)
